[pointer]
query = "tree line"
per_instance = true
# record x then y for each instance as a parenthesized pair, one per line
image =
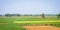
(9, 15)
(43, 15)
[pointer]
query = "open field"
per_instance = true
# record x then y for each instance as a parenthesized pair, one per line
(10, 27)
(18, 22)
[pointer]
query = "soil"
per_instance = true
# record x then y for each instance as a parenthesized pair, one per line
(41, 28)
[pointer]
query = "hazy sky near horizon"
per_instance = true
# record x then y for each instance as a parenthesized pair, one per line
(29, 6)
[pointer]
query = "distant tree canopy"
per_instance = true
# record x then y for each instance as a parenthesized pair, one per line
(58, 15)
(1, 15)
(43, 15)
(31, 15)
(18, 15)
(27, 15)
(9, 15)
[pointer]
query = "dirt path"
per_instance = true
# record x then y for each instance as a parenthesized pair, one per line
(41, 28)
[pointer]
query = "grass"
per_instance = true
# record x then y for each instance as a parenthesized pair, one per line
(26, 20)
(10, 27)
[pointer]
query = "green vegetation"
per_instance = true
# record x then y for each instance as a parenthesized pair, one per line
(58, 15)
(10, 15)
(10, 27)
(7, 24)
(15, 23)
(43, 15)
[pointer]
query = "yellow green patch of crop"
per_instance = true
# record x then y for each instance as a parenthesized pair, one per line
(33, 21)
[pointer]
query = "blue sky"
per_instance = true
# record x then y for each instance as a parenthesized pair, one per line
(29, 6)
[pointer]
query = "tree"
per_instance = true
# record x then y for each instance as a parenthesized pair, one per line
(18, 14)
(13, 15)
(8, 15)
(1, 15)
(58, 15)
(43, 15)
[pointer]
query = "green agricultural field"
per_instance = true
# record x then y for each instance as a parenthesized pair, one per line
(10, 27)
(12, 23)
